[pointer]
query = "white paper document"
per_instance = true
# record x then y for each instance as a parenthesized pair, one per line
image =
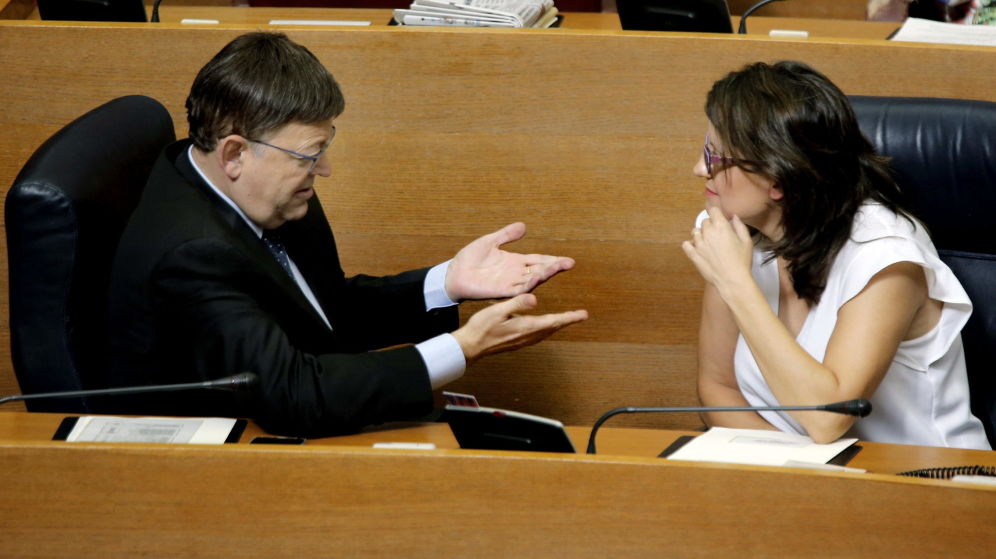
(478, 13)
(758, 447)
(106, 429)
(927, 31)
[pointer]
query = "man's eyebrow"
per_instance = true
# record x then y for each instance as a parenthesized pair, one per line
(316, 144)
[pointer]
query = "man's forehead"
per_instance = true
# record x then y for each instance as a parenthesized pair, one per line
(304, 132)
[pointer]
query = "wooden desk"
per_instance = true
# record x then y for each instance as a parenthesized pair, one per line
(880, 458)
(238, 16)
(327, 498)
(376, 17)
(572, 20)
(815, 9)
(820, 28)
(228, 15)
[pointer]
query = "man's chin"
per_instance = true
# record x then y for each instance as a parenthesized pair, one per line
(294, 211)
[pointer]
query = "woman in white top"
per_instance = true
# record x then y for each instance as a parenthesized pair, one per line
(820, 286)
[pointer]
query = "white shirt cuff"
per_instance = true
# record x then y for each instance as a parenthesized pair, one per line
(434, 288)
(443, 358)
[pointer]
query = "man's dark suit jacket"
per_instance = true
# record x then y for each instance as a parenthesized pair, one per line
(196, 295)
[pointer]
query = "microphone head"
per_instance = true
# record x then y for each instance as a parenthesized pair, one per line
(244, 380)
(862, 407)
(859, 407)
(241, 381)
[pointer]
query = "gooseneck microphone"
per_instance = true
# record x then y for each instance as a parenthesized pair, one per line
(859, 407)
(155, 12)
(241, 381)
(742, 30)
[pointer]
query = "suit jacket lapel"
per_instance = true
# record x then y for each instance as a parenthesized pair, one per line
(242, 235)
(310, 244)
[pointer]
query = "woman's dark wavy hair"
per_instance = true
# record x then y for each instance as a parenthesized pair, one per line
(797, 129)
(256, 84)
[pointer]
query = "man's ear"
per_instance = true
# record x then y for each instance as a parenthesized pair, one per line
(776, 193)
(231, 155)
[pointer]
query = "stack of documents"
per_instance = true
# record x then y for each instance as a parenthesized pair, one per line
(759, 447)
(479, 13)
(927, 31)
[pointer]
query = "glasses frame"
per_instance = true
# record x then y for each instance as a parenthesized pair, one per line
(297, 155)
(714, 159)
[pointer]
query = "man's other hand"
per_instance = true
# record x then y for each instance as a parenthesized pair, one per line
(501, 327)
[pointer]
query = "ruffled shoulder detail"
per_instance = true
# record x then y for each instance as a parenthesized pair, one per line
(875, 221)
(881, 238)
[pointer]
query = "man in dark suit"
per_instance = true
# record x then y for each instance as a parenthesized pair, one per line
(228, 264)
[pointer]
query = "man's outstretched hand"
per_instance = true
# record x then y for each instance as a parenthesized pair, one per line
(482, 270)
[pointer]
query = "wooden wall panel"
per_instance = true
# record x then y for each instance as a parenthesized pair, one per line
(588, 137)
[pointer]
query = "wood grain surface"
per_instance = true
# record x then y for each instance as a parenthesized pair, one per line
(588, 137)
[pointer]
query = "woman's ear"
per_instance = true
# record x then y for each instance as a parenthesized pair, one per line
(775, 192)
(231, 155)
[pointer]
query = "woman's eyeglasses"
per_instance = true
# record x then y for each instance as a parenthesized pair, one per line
(712, 159)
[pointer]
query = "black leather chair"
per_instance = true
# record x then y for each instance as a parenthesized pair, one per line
(64, 217)
(944, 154)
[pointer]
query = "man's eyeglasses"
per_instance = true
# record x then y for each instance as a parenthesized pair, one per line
(312, 159)
(714, 159)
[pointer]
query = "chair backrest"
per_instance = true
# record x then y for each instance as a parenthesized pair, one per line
(64, 218)
(944, 155)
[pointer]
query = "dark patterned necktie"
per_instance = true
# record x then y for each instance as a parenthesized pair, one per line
(272, 241)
